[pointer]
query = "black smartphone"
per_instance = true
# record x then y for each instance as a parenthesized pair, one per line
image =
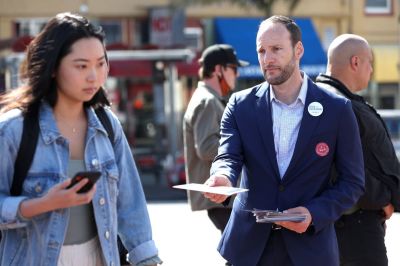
(93, 176)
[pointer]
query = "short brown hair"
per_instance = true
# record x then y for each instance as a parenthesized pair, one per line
(290, 25)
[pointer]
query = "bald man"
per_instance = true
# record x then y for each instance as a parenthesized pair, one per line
(361, 229)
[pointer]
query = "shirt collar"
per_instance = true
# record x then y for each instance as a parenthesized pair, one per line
(302, 94)
(202, 84)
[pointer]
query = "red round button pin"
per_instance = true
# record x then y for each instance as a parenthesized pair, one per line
(322, 149)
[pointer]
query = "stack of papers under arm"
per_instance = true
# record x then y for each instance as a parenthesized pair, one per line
(268, 216)
(228, 191)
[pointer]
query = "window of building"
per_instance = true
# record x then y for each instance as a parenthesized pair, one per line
(378, 6)
(137, 32)
(29, 27)
(193, 38)
(113, 31)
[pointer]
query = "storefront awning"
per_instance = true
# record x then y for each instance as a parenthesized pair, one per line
(241, 34)
(386, 63)
(130, 68)
(139, 63)
(143, 68)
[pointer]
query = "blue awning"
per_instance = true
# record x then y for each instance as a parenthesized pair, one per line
(241, 34)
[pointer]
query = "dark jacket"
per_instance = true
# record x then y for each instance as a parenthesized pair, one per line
(382, 168)
(247, 149)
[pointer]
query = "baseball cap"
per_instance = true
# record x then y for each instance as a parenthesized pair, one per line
(220, 54)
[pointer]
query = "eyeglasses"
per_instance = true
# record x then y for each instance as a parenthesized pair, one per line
(233, 67)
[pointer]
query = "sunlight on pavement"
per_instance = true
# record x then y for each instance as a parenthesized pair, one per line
(393, 240)
(186, 238)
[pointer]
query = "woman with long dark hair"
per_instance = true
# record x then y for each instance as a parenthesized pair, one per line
(50, 223)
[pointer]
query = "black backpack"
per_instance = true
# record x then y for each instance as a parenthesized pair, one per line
(27, 148)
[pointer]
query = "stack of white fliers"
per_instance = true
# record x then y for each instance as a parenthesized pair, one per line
(269, 216)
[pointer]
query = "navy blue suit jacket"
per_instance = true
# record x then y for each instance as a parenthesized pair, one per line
(247, 147)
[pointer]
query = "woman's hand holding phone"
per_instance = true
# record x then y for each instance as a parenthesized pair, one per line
(60, 196)
(92, 177)
(66, 196)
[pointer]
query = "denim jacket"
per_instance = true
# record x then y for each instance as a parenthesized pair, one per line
(119, 203)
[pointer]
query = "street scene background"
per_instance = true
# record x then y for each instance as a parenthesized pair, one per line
(153, 50)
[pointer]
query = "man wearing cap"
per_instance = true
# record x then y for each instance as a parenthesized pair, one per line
(201, 123)
(283, 137)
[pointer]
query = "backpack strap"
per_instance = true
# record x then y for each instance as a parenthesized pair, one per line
(105, 121)
(27, 147)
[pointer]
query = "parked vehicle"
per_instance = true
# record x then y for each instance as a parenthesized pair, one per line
(392, 120)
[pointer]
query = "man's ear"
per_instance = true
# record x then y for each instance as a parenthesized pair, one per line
(354, 62)
(218, 70)
(299, 50)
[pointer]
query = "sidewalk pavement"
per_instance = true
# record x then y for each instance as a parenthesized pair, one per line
(186, 238)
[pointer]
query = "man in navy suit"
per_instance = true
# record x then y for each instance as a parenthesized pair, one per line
(284, 136)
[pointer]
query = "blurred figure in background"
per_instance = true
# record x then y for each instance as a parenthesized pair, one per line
(361, 229)
(201, 123)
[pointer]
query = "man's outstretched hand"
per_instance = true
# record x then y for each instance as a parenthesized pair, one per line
(215, 181)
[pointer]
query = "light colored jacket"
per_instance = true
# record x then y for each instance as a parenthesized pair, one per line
(201, 126)
(119, 204)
